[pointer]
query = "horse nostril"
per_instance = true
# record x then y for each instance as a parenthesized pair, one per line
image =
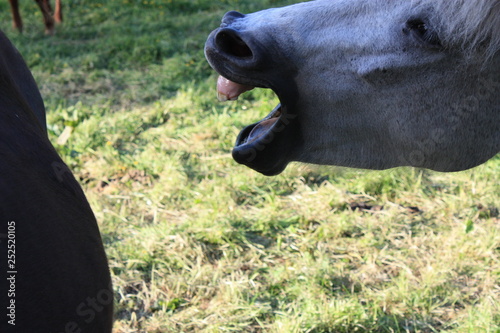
(229, 42)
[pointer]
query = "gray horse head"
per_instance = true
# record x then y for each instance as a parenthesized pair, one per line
(367, 84)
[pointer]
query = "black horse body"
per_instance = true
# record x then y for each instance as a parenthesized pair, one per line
(54, 275)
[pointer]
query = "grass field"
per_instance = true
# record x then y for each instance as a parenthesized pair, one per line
(197, 243)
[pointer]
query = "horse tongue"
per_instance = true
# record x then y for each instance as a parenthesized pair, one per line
(261, 129)
(228, 90)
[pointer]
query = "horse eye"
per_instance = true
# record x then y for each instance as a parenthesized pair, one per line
(421, 30)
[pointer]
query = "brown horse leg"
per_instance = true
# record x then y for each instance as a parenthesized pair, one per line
(17, 23)
(47, 16)
(58, 16)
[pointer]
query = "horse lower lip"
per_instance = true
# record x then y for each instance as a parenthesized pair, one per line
(266, 146)
(260, 129)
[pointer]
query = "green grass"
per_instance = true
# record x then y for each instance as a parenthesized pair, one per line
(197, 243)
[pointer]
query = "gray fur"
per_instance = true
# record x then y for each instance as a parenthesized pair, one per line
(374, 95)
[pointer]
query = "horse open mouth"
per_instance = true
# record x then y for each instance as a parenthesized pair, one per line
(228, 90)
(243, 63)
(258, 145)
(259, 130)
